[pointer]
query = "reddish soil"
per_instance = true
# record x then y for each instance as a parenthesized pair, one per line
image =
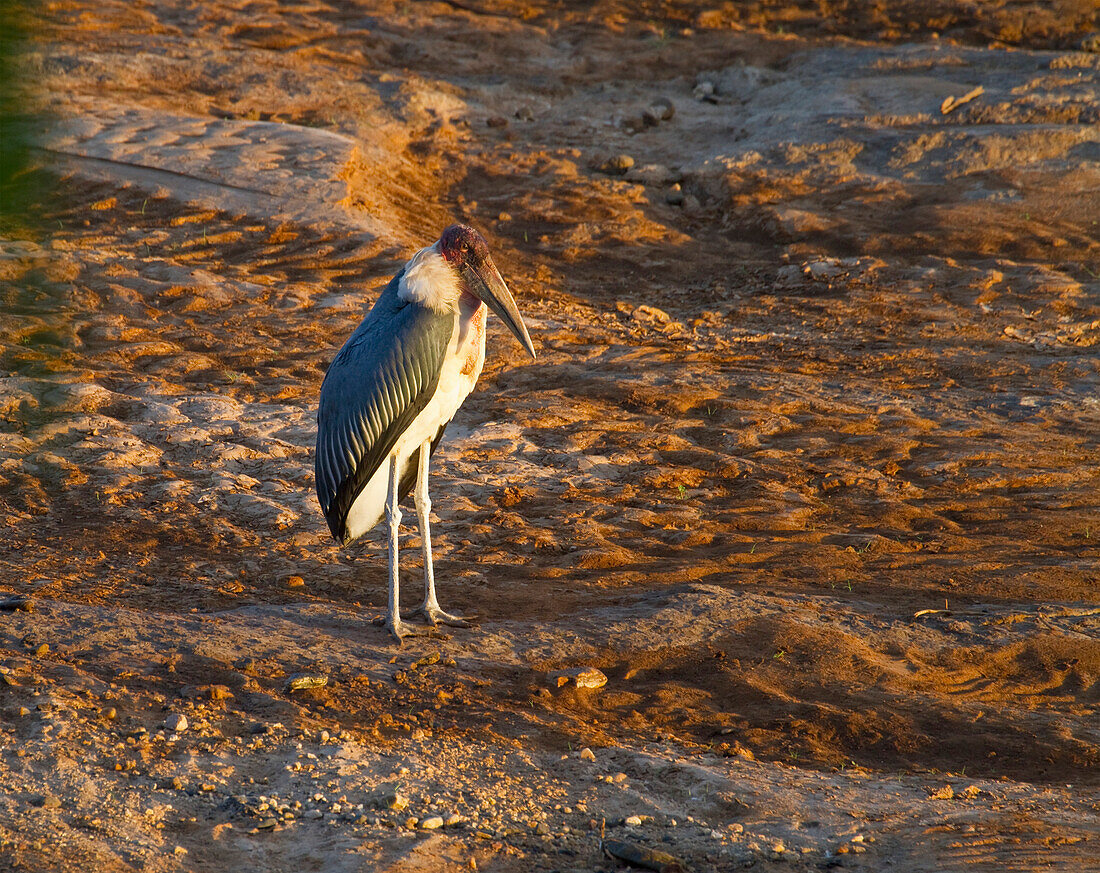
(807, 465)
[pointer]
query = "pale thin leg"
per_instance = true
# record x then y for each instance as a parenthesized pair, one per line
(430, 607)
(393, 517)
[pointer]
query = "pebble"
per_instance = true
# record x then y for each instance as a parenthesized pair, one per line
(674, 196)
(587, 754)
(737, 828)
(313, 814)
(496, 121)
(303, 681)
(17, 603)
(658, 111)
(295, 582)
(633, 821)
(822, 270)
(653, 174)
(1091, 43)
(179, 850)
(453, 820)
(176, 722)
(617, 165)
(705, 91)
(581, 677)
(50, 802)
(388, 797)
(432, 823)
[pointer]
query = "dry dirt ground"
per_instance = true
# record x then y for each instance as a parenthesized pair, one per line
(807, 466)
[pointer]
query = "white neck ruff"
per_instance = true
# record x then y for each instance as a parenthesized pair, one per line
(430, 281)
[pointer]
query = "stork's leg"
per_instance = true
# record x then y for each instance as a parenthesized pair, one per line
(393, 517)
(430, 607)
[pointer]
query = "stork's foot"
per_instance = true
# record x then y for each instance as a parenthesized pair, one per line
(435, 616)
(397, 628)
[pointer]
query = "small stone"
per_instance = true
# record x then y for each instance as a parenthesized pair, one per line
(821, 271)
(525, 113)
(617, 165)
(658, 111)
(791, 274)
(411, 822)
(945, 793)
(587, 754)
(17, 603)
(633, 821)
(179, 850)
(648, 313)
(267, 823)
(542, 829)
(705, 91)
(453, 820)
(1091, 43)
(304, 681)
(691, 204)
(294, 582)
(653, 174)
(324, 736)
(313, 814)
(432, 823)
(674, 196)
(581, 677)
(496, 121)
(736, 828)
(176, 722)
(50, 802)
(42, 650)
(388, 797)
(426, 661)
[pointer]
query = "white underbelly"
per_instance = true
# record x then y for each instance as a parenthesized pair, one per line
(453, 388)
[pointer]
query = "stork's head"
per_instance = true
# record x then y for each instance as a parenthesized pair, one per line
(459, 267)
(464, 249)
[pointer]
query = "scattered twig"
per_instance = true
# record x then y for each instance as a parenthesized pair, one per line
(952, 103)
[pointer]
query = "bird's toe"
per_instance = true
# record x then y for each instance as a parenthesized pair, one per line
(436, 616)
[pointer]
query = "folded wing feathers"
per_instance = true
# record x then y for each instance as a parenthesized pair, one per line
(377, 384)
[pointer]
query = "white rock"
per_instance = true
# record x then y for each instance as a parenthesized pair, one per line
(176, 722)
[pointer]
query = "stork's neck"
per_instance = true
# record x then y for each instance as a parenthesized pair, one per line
(430, 281)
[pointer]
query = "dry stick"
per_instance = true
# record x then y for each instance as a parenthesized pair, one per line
(951, 103)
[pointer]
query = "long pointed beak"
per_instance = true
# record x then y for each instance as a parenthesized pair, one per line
(490, 287)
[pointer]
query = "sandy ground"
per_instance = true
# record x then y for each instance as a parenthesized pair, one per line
(807, 465)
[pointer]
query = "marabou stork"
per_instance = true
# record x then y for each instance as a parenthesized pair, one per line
(393, 388)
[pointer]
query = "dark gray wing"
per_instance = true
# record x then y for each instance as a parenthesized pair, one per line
(377, 384)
